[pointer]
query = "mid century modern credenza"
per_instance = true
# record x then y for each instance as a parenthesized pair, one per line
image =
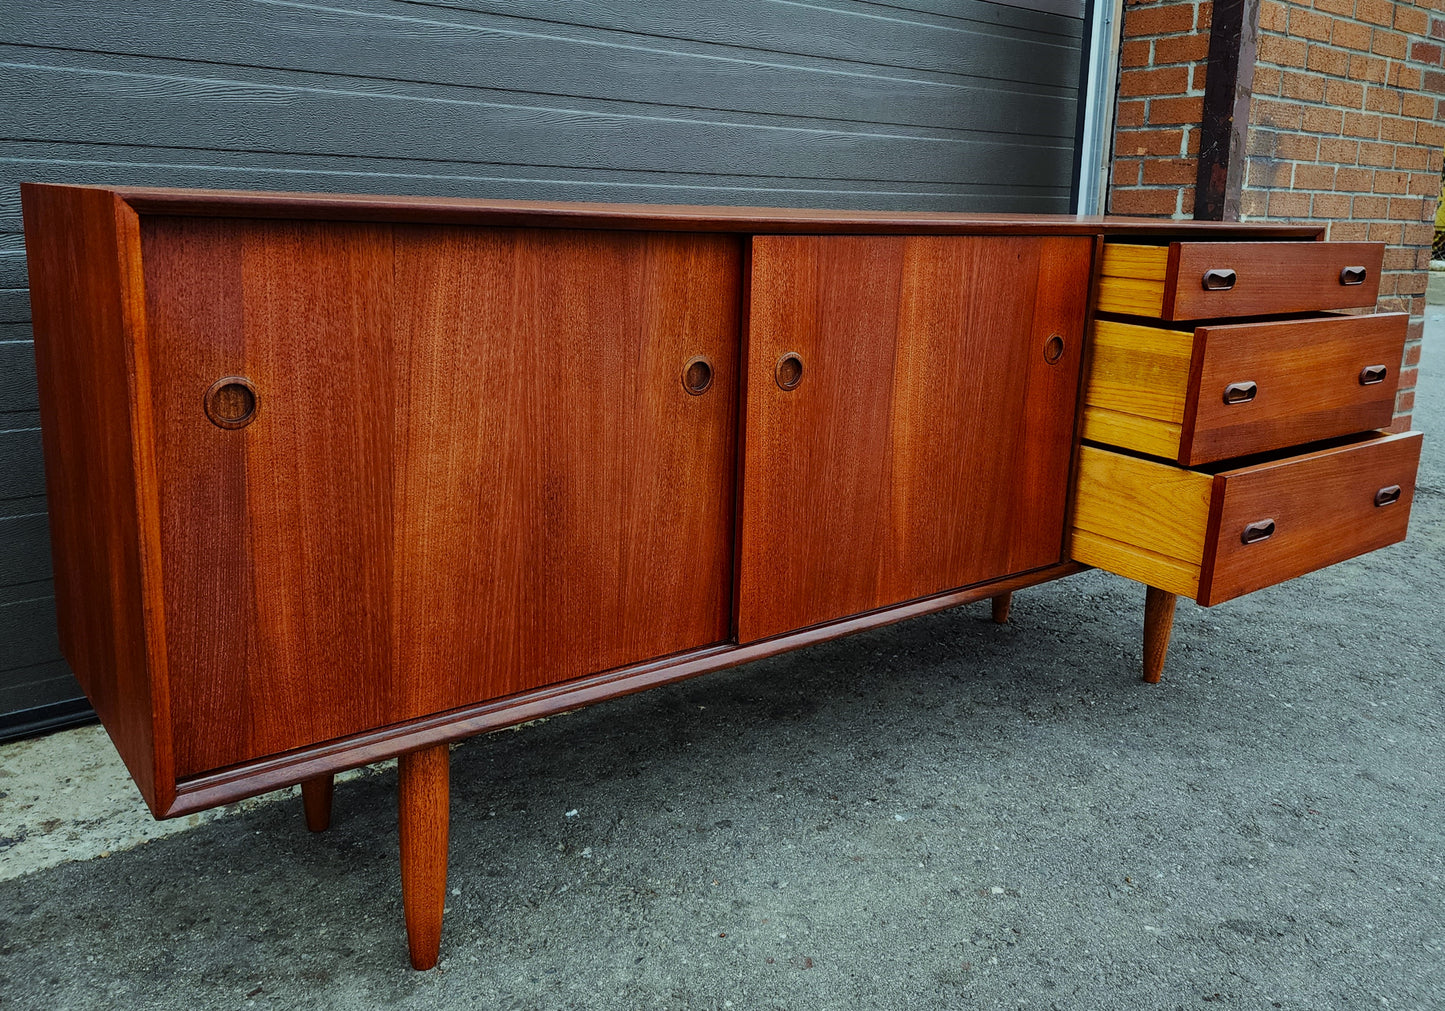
(334, 479)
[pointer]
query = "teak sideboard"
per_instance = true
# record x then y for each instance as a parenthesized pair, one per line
(334, 479)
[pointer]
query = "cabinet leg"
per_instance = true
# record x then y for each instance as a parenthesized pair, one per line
(1158, 622)
(1001, 604)
(423, 803)
(316, 799)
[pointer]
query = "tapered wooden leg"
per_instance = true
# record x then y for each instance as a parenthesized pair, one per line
(316, 799)
(424, 802)
(1001, 604)
(1158, 622)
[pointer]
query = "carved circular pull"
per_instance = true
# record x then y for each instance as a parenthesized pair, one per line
(789, 371)
(231, 402)
(697, 376)
(1053, 349)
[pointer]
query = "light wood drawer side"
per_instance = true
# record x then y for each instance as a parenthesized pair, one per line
(1132, 279)
(1138, 386)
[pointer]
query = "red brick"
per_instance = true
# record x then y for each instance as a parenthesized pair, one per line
(1398, 129)
(1424, 184)
(1331, 206)
(1181, 49)
(1391, 182)
(1159, 171)
(1314, 177)
(1267, 80)
(1338, 151)
(1430, 135)
(1274, 16)
(1365, 68)
(1420, 235)
(1309, 87)
(1379, 155)
(1401, 423)
(1409, 379)
(1348, 231)
(1266, 173)
(1282, 52)
(1166, 19)
(1152, 202)
(1354, 180)
(1426, 52)
(1129, 113)
(1144, 142)
(1408, 156)
(1382, 100)
(1176, 110)
(1261, 144)
(1322, 119)
(1412, 283)
(1398, 258)
(1436, 161)
(1165, 81)
(1349, 35)
(1344, 94)
(1203, 21)
(1419, 106)
(1412, 355)
(1287, 115)
(1412, 208)
(1392, 44)
(1437, 28)
(1411, 20)
(1383, 231)
(1371, 207)
(1191, 141)
(1134, 53)
(1435, 82)
(1324, 60)
(1306, 24)
(1379, 12)
(1404, 403)
(1126, 171)
(1345, 8)
(1407, 77)
(1288, 204)
(1198, 75)
(1389, 285)
(1365, 125)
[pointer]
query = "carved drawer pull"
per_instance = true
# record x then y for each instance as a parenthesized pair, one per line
(1255, 532)
(1353, 275)
(1240, 393)
(1372, 374)
(1217, 279)
(1387, 496)
(697, 376)
(231, 402)
(788, 373)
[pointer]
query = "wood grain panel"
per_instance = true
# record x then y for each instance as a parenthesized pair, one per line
(1323, 507)
(924, 446)
(81, 255)
(1308, 376)
(567, 504)
(277, 535)
(1272, 277)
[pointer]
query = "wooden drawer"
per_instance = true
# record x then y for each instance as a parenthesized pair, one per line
(1225, 391)
(1213, 280)
(1214, 536)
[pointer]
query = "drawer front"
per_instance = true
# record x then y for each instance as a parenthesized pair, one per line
(1257, 387)
(1215, 280)
(1281, 519)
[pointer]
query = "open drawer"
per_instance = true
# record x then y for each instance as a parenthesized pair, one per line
(1211, 280)
(1214, 536)
(1218, 391)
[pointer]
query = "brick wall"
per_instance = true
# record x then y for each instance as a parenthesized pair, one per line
(1162, 63)
(1346, 128)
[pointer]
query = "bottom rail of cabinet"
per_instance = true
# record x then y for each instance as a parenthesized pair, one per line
(226, 786)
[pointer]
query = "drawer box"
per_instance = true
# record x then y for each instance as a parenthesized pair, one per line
(1213, 280)
(1232, 390)
(1215, 536)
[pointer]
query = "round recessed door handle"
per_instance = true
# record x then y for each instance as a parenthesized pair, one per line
(1240, 393)
(1053, 348)
(1256, 532)
(1219, 279)
(697, 375)
(1387, 496)
(1372, 374)
(232, 402)
(1353, 275)
(788, 372)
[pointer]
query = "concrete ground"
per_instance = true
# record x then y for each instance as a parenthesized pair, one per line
(941, 814)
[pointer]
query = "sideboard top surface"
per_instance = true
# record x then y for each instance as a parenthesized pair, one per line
(537, 214)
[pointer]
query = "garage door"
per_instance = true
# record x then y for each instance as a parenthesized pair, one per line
(928, 104)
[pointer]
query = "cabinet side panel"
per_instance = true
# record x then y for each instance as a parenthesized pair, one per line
(78, 301)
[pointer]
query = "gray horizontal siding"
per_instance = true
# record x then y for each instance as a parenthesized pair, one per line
(921, 104)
